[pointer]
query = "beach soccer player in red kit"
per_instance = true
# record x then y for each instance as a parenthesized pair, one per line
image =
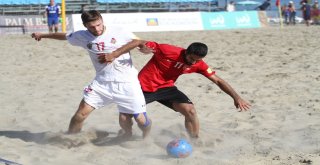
(168, 62)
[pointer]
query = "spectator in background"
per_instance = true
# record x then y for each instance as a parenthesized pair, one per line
(306, 12)
(292, 13)
(264, 6)
(230, 6)
(285, 13)
(52, 13)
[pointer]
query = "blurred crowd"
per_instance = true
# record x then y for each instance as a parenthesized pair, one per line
(310, 12)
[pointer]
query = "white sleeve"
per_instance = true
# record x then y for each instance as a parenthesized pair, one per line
(77, 39)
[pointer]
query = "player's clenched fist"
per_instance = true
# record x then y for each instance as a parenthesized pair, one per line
(36, 36)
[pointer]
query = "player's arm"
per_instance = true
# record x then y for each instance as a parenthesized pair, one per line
(57, 36)
(224, 86)
(59, 11)
(45, 13)
(135, 43)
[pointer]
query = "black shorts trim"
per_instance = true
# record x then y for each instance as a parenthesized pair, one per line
(167, 96)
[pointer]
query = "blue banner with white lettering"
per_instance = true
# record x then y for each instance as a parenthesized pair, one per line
(230, 20)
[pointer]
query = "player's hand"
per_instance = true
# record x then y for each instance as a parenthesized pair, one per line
(36, 36)
(145, 50)
(105, 58)
(241, 105)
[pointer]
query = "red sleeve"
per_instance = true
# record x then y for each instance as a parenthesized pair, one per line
(153, 45)
(164, 50)
(205, 70)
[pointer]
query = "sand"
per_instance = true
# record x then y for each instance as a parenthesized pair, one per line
(276, 70)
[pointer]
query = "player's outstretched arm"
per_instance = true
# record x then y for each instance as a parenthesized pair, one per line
(223, 85)
(57, 36)
(109, 57)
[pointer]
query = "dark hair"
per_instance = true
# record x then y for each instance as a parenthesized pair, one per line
(198, 49)
(89, 16)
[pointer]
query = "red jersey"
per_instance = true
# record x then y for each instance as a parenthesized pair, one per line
(166, 65)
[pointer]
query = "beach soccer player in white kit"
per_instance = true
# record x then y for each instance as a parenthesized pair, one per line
(115, 81)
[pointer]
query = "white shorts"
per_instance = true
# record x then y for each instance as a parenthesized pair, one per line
(127, 95)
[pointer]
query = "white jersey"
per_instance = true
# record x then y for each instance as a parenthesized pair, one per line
(121, 69)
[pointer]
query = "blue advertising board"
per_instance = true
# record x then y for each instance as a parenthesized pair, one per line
(230, 20)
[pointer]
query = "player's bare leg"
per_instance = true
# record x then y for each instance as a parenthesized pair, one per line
(56, 28)
(50, 29)
(144, 123)
(78, 118)
(125, 121)
(191, 118)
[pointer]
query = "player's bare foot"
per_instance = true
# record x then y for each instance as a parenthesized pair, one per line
(146, 130)
(124, 135)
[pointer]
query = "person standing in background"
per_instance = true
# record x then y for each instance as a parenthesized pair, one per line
(231, 7)
(292, 13)
(52, 12)
(285, 13)
(306, 12)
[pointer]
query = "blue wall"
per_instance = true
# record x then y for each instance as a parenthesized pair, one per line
(230, 20)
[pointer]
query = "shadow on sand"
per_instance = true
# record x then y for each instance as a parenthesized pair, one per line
(64, 140)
